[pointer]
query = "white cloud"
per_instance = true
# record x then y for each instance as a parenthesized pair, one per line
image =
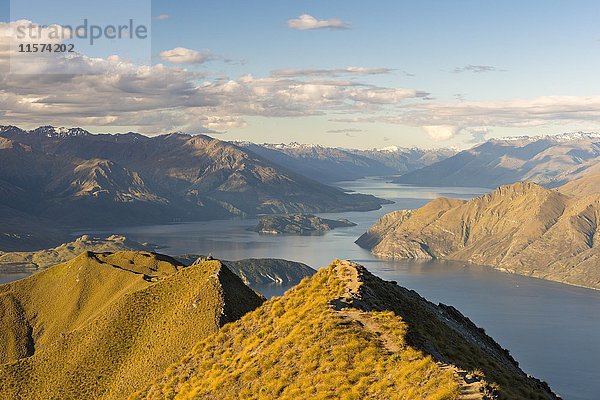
(308, 22)
(479, 134)
(443, 120)
(162, 17)
(297, 72)
(163, 98)
(441, 132)
(182, 55)
(507, 113)
(112, 91)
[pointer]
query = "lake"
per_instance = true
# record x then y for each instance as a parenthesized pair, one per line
(552, 329)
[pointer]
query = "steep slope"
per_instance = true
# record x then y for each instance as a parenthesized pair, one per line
(346, 334)
(256, 272)
(521, 228)
(104, 325)
(550, 161)
(83, 179)
(587, 182)
(23, 173)
(263, 271)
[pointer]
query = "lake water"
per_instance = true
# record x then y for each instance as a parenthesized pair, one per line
(552, 329)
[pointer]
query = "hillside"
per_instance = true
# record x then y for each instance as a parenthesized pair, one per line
(347, 334)
(76, 178)
(298, 224)
(549, 160)
(33, 260)
(256, 272)
(106, 324)
(587, 182)
(521, 228)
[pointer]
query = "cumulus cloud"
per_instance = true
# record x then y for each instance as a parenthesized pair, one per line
(298, 72)
(162, 17)
(308, 22)
(111, 91)
(182, 55)
(161, 98)
(441, 132)
(478, 69)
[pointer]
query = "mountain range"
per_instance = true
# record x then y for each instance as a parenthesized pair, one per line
(522, 228)
(550, 161)
(51, 176)
(329, 164)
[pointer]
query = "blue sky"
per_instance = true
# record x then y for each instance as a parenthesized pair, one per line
(477, 69)
(427, 38)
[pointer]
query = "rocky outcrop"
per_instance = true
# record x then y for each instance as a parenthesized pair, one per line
(298, 224)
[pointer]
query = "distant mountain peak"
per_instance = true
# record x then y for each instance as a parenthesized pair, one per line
(51, 131)
(562, 137)
(10, 129)
(391, 149)
(181, 133)
(292, 145)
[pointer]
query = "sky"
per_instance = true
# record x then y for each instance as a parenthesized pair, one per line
(339, 73)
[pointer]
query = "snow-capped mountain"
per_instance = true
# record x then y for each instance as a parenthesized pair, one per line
(549, 160)
(332, 164)
(561, 137)
(47, 131)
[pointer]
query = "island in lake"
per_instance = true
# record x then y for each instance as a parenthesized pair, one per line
(298, 224)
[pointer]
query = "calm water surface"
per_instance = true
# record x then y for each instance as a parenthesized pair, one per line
(552, 329)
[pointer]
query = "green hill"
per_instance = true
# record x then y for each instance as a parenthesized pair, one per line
(346, 334)
(106, 324)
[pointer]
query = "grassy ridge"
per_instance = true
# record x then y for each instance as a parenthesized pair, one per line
(111, 323)
(334, 336)
(298, 347)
